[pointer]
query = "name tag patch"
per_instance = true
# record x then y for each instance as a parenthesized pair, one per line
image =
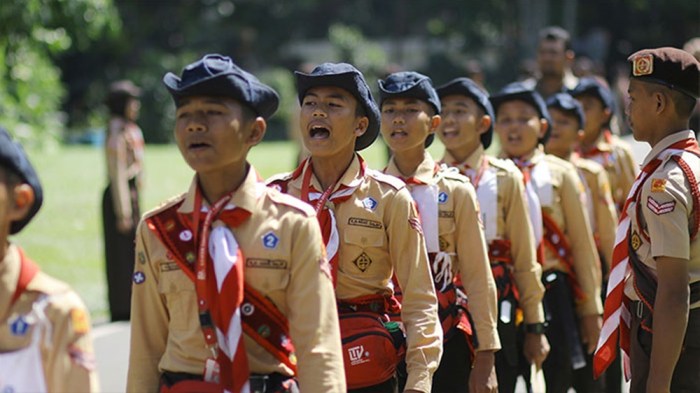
(266, 263)
(169, 266)
(446, 213)
(364, 222)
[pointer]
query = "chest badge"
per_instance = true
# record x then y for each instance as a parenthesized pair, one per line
(19, 326)
(636, 241)
(270, 240)
(139, 278)
(369, 203)
(442, 197)
(362, 262)
(186, 235)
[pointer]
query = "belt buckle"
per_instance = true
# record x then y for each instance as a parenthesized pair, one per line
(640, 309)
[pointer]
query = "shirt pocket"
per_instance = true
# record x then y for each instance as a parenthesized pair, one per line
(446, 234)
(181, 299)
(267, 274)
(364, 238)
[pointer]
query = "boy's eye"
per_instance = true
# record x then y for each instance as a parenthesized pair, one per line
(388, 110)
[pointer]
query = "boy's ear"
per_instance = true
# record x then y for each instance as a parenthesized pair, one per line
(22, 201)
(361, 126)
(257, 133)
(484, 124)
(435, 123)
(544, 126)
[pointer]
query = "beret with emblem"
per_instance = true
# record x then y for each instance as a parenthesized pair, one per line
(349, 78)
(467, 87)
(565, 102)
(410, 84)
(671, 67)
(14, 159)
(517, 91)
(217, 75)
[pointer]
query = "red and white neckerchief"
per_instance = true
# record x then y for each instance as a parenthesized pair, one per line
(220, 290)
(321, 201)
(616, 313)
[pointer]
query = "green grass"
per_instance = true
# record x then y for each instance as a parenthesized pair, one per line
(65, 238)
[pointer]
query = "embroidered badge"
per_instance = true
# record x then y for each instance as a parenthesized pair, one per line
(80, 321)
(442, 197)
(362, 262)
(415, 224)
(190, 257)
(170, 225)
(658, 185)
(443, 243)
(635, 241)
(660, 208)
(270, 240)
(264, 331)
(186, 235)
(369, 203)
(139, 277)
(19, 326)
(142, 257)
(643, 65)
(247, 309)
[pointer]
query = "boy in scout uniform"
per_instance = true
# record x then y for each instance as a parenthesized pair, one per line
(653, 294)
(45, 342)
(567, 126)
(370, 225)
(598, 142)
(570, 264)
(466, 131)
(230, 287)
(454, 237)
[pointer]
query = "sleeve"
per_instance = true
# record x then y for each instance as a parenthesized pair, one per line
(419, 305)
(475, 268)
(526, 270)
(628, 169)
(72, 366)
(606, 217)
(149, 319)
(583, 250)
(117, 170)
(313, 316)
(667, 213)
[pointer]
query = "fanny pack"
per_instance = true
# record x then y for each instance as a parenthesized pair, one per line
(172, 382)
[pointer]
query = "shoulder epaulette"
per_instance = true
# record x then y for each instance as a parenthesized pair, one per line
(279, 178)
(559, 162)
(453, 174)
(164, 205)
(505, 165)
(386, 179)
(589, 166)
(288, 200)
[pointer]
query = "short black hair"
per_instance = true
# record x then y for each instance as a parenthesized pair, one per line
(9, 177)
(683, 103)
(556, 33)
(119, 94)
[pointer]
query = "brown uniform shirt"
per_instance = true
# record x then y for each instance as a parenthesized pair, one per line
(165, 330)
(124, 150)
(67, 354)
(617, 159)
(663, 221)
(505, 216)
(601, 207)
(561, 197)
(461, 235)
(379, 236)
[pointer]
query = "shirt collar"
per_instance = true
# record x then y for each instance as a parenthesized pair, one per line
(424, 173)
(9, 275)
(350, 178)
(665, 143)
(474, 160)
(245, 197)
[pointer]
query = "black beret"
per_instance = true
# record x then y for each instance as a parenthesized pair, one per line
(595, 87)
(349, 78)
(14, 159)
(517, 91)
(217, 75)
(567, 103)
(469, 88)
(410, 84)
(671, 67)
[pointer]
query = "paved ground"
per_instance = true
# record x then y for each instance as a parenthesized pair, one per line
(112, 340)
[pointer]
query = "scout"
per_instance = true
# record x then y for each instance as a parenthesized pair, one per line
(598, 142)
(454, 237)
(466, 131)
(230, 290)
(571, 269)
(372, 232)
(45, 343)
(653, 294)
(567, 127)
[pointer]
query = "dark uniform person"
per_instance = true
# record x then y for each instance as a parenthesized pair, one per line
(654, 289)
(449, 214)
(230, 290)
(372, 232)
(45, 343)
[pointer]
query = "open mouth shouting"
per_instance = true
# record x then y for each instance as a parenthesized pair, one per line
(398, 134)
(197, 146)
(448, 133)
(320, 132)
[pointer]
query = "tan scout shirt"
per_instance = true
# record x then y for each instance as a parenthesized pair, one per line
(165, 330)
(462, 236)
(602, 211)
(125, 153)
(658, 232)
(378, 239)
(563, 202)
(617, 159)
(67, 354)
(511, 219)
